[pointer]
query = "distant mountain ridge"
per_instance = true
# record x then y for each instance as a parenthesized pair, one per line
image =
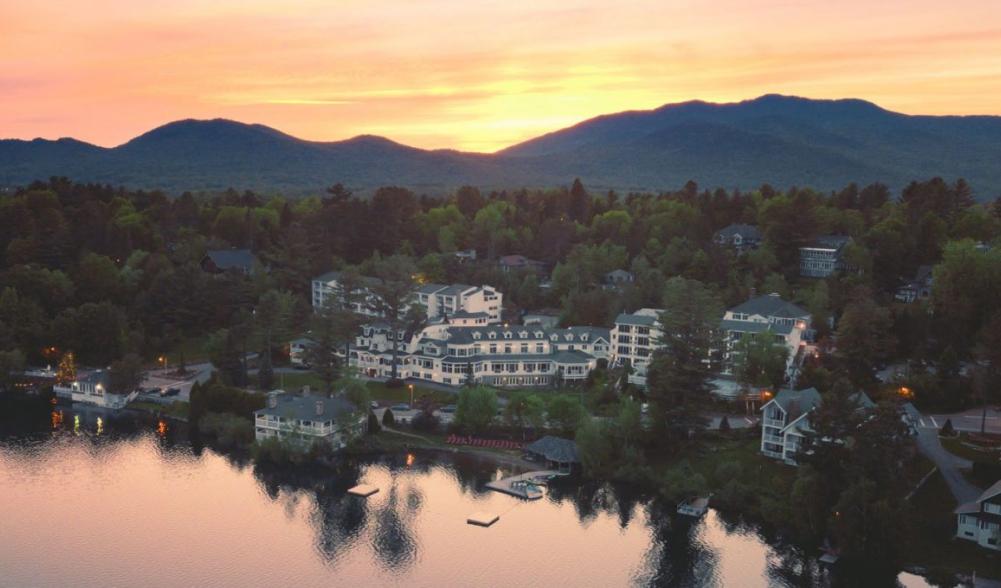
(774, 139)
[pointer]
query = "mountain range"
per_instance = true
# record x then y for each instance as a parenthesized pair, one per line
(781, 140)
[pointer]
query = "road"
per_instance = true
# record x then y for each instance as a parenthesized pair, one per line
(950, 465)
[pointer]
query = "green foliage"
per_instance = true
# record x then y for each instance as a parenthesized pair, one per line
(759, 362)
(388, 420)
(126, 374)
(214, 396)
(226, 429)
(564, 413)
(476, 408)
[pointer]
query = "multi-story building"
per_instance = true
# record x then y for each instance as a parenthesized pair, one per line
(766, 315)
(785, 421)
(738, 237)
(306, 419)
(446, 301)
(635, 336)
(823, 257)
(438, 300)
(980, 521)
(497, 355)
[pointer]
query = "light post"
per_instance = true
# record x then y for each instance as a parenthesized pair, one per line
(163, 362)
(411, 386)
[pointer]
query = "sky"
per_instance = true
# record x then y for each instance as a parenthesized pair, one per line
(470, 74)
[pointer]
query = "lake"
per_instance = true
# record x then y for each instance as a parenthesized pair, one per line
(130, 503)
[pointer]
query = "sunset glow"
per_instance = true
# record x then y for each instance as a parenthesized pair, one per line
(472, 75)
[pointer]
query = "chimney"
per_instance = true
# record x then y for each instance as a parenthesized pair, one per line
(319, 408)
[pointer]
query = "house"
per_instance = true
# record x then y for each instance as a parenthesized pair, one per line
(785, 421)
(557, 452)
(514, 263)
(545, 318)
(517, 355)
(635, 336)
(617, 278)
(738, 237)
(465, 256)
(298, 350)
(787, 323)
(980, 521)
(220, 261)
(919, 288)
(823, 257)
(93, 388)
(438, 300)
(306, 419)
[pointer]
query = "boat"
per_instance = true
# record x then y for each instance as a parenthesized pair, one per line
(694, 507)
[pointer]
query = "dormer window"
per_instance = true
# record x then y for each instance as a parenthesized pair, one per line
(538, 334)
(554, 337)
(493, 335)
(523, 334)
(507, 334)
(583, 337)
(476, 336)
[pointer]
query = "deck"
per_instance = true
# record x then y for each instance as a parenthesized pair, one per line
(523, 485)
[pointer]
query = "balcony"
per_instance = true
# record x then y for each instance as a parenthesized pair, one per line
(778, 423)
(773, 439)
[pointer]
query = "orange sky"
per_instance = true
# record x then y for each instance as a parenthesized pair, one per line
(468, 74)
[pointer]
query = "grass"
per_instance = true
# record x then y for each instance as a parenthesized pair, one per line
(960, 447)
(934, 545)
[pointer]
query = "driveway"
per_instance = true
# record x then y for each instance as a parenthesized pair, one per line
(950, 465)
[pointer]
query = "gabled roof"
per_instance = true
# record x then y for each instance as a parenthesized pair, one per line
(639, 318)
(745, 231)
(430, 288)
(835, 242)
(304, 407)
(568, 357)
(991, 492)
(771, 305)
(555, 449)
(225, 259)
(796, 403)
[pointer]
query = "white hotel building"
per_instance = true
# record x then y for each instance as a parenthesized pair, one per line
(634, 338)
(514, 356)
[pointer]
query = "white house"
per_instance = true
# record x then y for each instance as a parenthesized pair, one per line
(497, 355)
(634, 338)
(93, 389)
(767, 315)
(305, 419)
(980, 521)
(785, 421)
(327, 287)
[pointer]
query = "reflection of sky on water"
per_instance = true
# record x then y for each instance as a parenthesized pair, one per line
(138, 509)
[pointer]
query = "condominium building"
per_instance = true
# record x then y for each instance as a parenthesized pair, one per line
(635, 336)
(786, 323)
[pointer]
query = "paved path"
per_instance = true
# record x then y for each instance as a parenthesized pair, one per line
(949, 464)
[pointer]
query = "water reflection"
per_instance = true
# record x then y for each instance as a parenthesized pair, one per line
(209, 518)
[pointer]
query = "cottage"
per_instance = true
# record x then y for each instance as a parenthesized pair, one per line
(918, 288)
(306, 419)
(738, 237)
(514, 263)
(617, 278)
(93, 388)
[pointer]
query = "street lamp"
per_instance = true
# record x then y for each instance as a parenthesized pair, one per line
(411, 386)
(163, 362)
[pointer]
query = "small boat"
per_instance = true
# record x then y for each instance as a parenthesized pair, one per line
(694, 507)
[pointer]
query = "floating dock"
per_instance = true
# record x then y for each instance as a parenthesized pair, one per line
(363, 490)
(482, 519)
(527, 486)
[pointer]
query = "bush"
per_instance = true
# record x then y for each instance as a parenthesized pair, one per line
(724, 424)
(394, 383)
(947, 429)
(425, 422)
(373, 423)
(388, 420)
(228, 430)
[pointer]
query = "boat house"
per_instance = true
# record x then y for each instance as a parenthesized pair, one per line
(560, 454)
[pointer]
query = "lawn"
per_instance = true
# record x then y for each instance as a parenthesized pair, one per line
(934, 545)
(960, 446)
(178, 409)
(379, 390)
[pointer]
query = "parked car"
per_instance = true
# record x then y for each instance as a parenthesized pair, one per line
(448, 409)
(170, 392)
(374, 404)
(400, 407)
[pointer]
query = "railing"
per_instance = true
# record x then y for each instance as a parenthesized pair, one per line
(773, 423)
(773, 439)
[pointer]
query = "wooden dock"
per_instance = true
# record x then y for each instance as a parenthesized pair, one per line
(524, 485)
(363, 490)
(482, 519)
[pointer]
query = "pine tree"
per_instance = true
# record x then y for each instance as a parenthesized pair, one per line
(66, 372)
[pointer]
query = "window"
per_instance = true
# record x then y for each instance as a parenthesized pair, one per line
(625, 329)
(524, 347)
(540, 348)
(507, 334)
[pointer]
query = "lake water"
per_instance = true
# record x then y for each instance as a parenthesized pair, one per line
(130, 504)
